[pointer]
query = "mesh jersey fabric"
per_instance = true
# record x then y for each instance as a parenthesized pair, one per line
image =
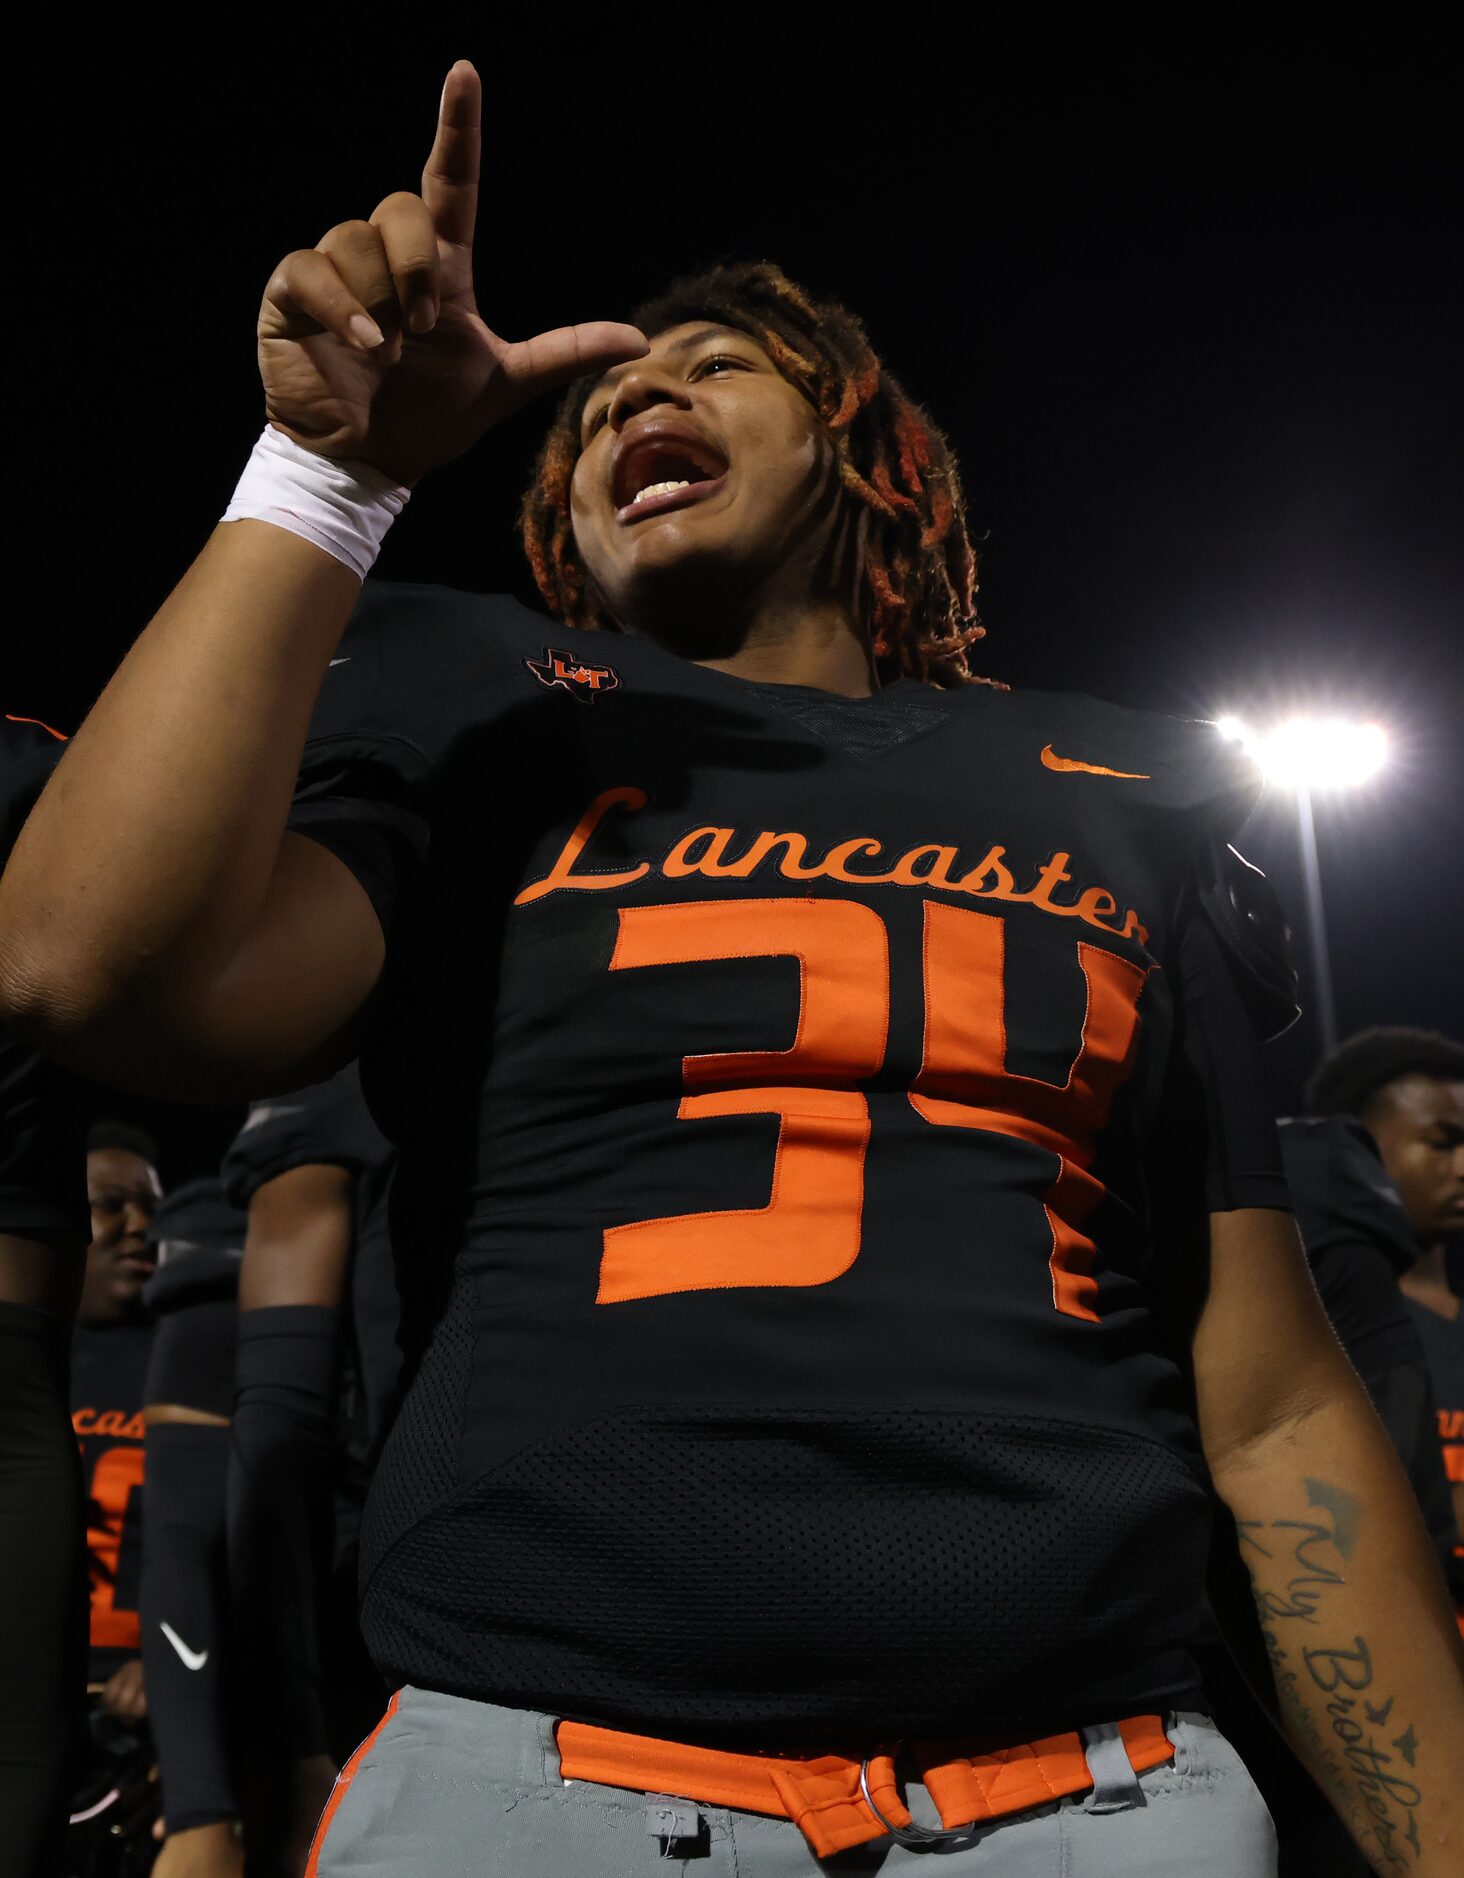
(776, 1084)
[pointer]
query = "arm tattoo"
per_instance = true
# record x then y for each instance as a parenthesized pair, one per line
(1329, 1700)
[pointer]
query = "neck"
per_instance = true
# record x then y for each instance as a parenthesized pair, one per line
(817, 646)
(1427, 1283)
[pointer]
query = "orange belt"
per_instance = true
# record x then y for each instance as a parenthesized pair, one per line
(838, 1802)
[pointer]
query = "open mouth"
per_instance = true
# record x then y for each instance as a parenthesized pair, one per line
(665, 472)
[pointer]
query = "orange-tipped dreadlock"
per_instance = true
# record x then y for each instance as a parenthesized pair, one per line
(919, 564)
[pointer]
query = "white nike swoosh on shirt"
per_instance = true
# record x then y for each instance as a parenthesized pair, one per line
(192, 1659)
(340, 661)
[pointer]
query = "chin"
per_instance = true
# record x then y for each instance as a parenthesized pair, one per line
(698, 604)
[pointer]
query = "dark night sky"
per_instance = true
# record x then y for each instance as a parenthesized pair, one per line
(1192, 329)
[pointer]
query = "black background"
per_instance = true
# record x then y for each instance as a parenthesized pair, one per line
(1190, 318)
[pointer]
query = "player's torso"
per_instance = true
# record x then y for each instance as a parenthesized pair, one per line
(801, 1026)
(784, 1068)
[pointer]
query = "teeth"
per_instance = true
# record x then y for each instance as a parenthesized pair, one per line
(659, 489)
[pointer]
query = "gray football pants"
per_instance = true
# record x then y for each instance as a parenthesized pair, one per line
(455, 1789)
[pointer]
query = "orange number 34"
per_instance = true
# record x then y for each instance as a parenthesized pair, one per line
(809, 1231)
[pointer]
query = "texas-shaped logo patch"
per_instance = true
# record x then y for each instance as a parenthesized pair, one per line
(581, 681)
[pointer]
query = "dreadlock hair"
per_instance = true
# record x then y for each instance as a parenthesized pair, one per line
(1362, 1067)
(919, 564)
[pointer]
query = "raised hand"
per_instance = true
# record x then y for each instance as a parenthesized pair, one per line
(371, 345)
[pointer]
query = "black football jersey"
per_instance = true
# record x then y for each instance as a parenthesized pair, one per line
(1443, 1343)
(108, 1367)
(778, 1081)
(329, 1124)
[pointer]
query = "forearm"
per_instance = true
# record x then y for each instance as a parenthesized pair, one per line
(280, 1518)
(183, 1594)
(155, 841)
(1363, 1649)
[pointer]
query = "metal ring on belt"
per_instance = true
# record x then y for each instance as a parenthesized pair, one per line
(912, 1834)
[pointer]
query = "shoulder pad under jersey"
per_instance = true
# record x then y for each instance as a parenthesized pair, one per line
(1242, 907)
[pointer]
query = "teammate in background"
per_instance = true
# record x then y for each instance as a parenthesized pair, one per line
(1360, 1243)
(109, 1353)
(188, 1653)
(317, 1378)
(43, 1234)
(823, 1068)
(1407, 1089)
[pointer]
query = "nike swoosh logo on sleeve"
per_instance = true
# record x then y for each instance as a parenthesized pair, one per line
(191, 1659)
(335, 662)
(266, 1112)
(1065, 764)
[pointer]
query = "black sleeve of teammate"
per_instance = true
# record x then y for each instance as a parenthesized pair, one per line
(1222, 1046)
(280, 1515)
(184, 1598)
(43, 1612)
(191, 1361)
(327, 1125)
(182, 1607)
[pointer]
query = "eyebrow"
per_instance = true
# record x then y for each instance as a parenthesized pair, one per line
(677, 349)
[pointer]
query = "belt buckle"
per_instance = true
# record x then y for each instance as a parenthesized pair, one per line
(911, 1835)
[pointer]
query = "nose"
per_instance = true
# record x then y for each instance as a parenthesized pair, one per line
(643, 387)
(137, 1218)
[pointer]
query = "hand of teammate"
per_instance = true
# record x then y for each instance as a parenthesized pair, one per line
(439, 377)
(123, 1694)
(213, 1851)
(310, 1784)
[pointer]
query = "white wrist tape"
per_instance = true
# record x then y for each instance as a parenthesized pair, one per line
(345, 508)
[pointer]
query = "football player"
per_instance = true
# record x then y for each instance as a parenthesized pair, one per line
(833, 1060)
(109, 1354)
(1406, 1087)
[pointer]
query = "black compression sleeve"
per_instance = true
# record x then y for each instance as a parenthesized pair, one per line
(281, 1468)
(42, 1589)
(182, 1608)
(191, 1360)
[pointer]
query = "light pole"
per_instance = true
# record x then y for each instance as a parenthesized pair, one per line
(1305, 755)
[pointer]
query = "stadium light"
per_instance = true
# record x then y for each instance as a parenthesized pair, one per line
(1307, 754)
(1312, 753)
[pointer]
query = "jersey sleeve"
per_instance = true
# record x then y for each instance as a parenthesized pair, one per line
(326, 1124)
(409, 676)
(360, 791)
(42, 1147)
(29, 751)
(1221, 1042)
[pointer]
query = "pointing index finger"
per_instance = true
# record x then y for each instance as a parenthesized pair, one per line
(450, 180)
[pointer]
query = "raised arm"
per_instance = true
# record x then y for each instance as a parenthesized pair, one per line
(158, 926)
